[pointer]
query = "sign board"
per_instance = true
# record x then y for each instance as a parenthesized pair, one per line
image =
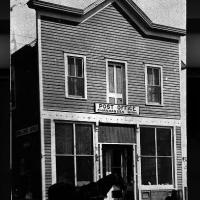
(116, 109)
(28, 130)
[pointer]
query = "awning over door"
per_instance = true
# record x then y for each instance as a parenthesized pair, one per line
(116, 133)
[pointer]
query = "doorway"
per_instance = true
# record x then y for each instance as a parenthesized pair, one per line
(119, 159)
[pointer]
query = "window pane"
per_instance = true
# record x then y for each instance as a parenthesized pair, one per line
(147, 141)
(112, 100)
(149, 76)
(156, 76)
(154, 94)
(119, 79)
(65, 169)
(164, 170)
(84, 170)
(119, 101)
(79, 67)
(80, 87)
(71, 67)
(163, 142)
(111, 78)
(150, 93)
(64, 138)
(148, 170)
(71, 85)
(84, 141)
(116, 161)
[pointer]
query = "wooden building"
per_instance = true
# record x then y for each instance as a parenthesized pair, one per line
(108, 98)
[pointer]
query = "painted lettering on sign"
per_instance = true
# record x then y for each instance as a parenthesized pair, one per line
(28, 130)
(116, 108)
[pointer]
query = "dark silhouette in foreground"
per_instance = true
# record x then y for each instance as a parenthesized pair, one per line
(92, 191)
(176, 195)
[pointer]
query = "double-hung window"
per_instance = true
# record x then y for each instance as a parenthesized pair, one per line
(74, 153)
(153, 85)
(116, 82)
(156, 156)
(75, 76)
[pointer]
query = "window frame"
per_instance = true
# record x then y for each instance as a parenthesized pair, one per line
(108, 94)
(66, 55)
(174, 162)
(74, 155)
(161, 85)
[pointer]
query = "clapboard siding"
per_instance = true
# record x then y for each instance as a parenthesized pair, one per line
(108, 34)
(47, 149)
(179, 157)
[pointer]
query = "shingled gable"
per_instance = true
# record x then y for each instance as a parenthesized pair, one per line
(135, 14)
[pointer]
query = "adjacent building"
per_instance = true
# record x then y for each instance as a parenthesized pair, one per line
(100, 93)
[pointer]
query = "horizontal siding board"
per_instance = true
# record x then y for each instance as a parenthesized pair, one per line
(52, 47)
(137, 43)
(119, 47)
(101, 32)
(119, 41)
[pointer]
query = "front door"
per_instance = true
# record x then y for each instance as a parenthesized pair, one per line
(119, 159)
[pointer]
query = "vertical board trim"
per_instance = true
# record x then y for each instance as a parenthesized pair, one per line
(175, 159)
(53, 152)
(38, 26)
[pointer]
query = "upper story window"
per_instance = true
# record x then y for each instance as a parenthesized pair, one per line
(75, 76)
(153, 85)
(156, 156)
(116, 83)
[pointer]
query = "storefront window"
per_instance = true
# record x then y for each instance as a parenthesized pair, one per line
(74, 153)
(156, 156)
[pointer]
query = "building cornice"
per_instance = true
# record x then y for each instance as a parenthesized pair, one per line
(127, 6)
(43, 5)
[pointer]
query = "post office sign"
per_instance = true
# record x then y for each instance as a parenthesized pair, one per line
(116, 109)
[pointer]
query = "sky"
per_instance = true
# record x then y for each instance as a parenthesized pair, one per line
(23, 19)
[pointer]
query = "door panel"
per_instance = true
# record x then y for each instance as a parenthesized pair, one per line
(119, 159)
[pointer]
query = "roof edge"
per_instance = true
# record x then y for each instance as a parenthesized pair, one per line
(38, 5)
(82, 13)
(154, 26)
(31, 44)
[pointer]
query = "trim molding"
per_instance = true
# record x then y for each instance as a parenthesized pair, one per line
(146, 65)
(107, 78)
(66, 75)
(128, 6)
(53, 152)
(41, 106)
(102, 118)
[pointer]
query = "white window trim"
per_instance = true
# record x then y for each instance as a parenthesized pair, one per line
(146, 83)
(108, 94)
(53, 147)
(157, 187)
(174, 163)
(66, 76)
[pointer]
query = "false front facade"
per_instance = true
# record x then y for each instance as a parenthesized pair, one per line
(109, 82)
